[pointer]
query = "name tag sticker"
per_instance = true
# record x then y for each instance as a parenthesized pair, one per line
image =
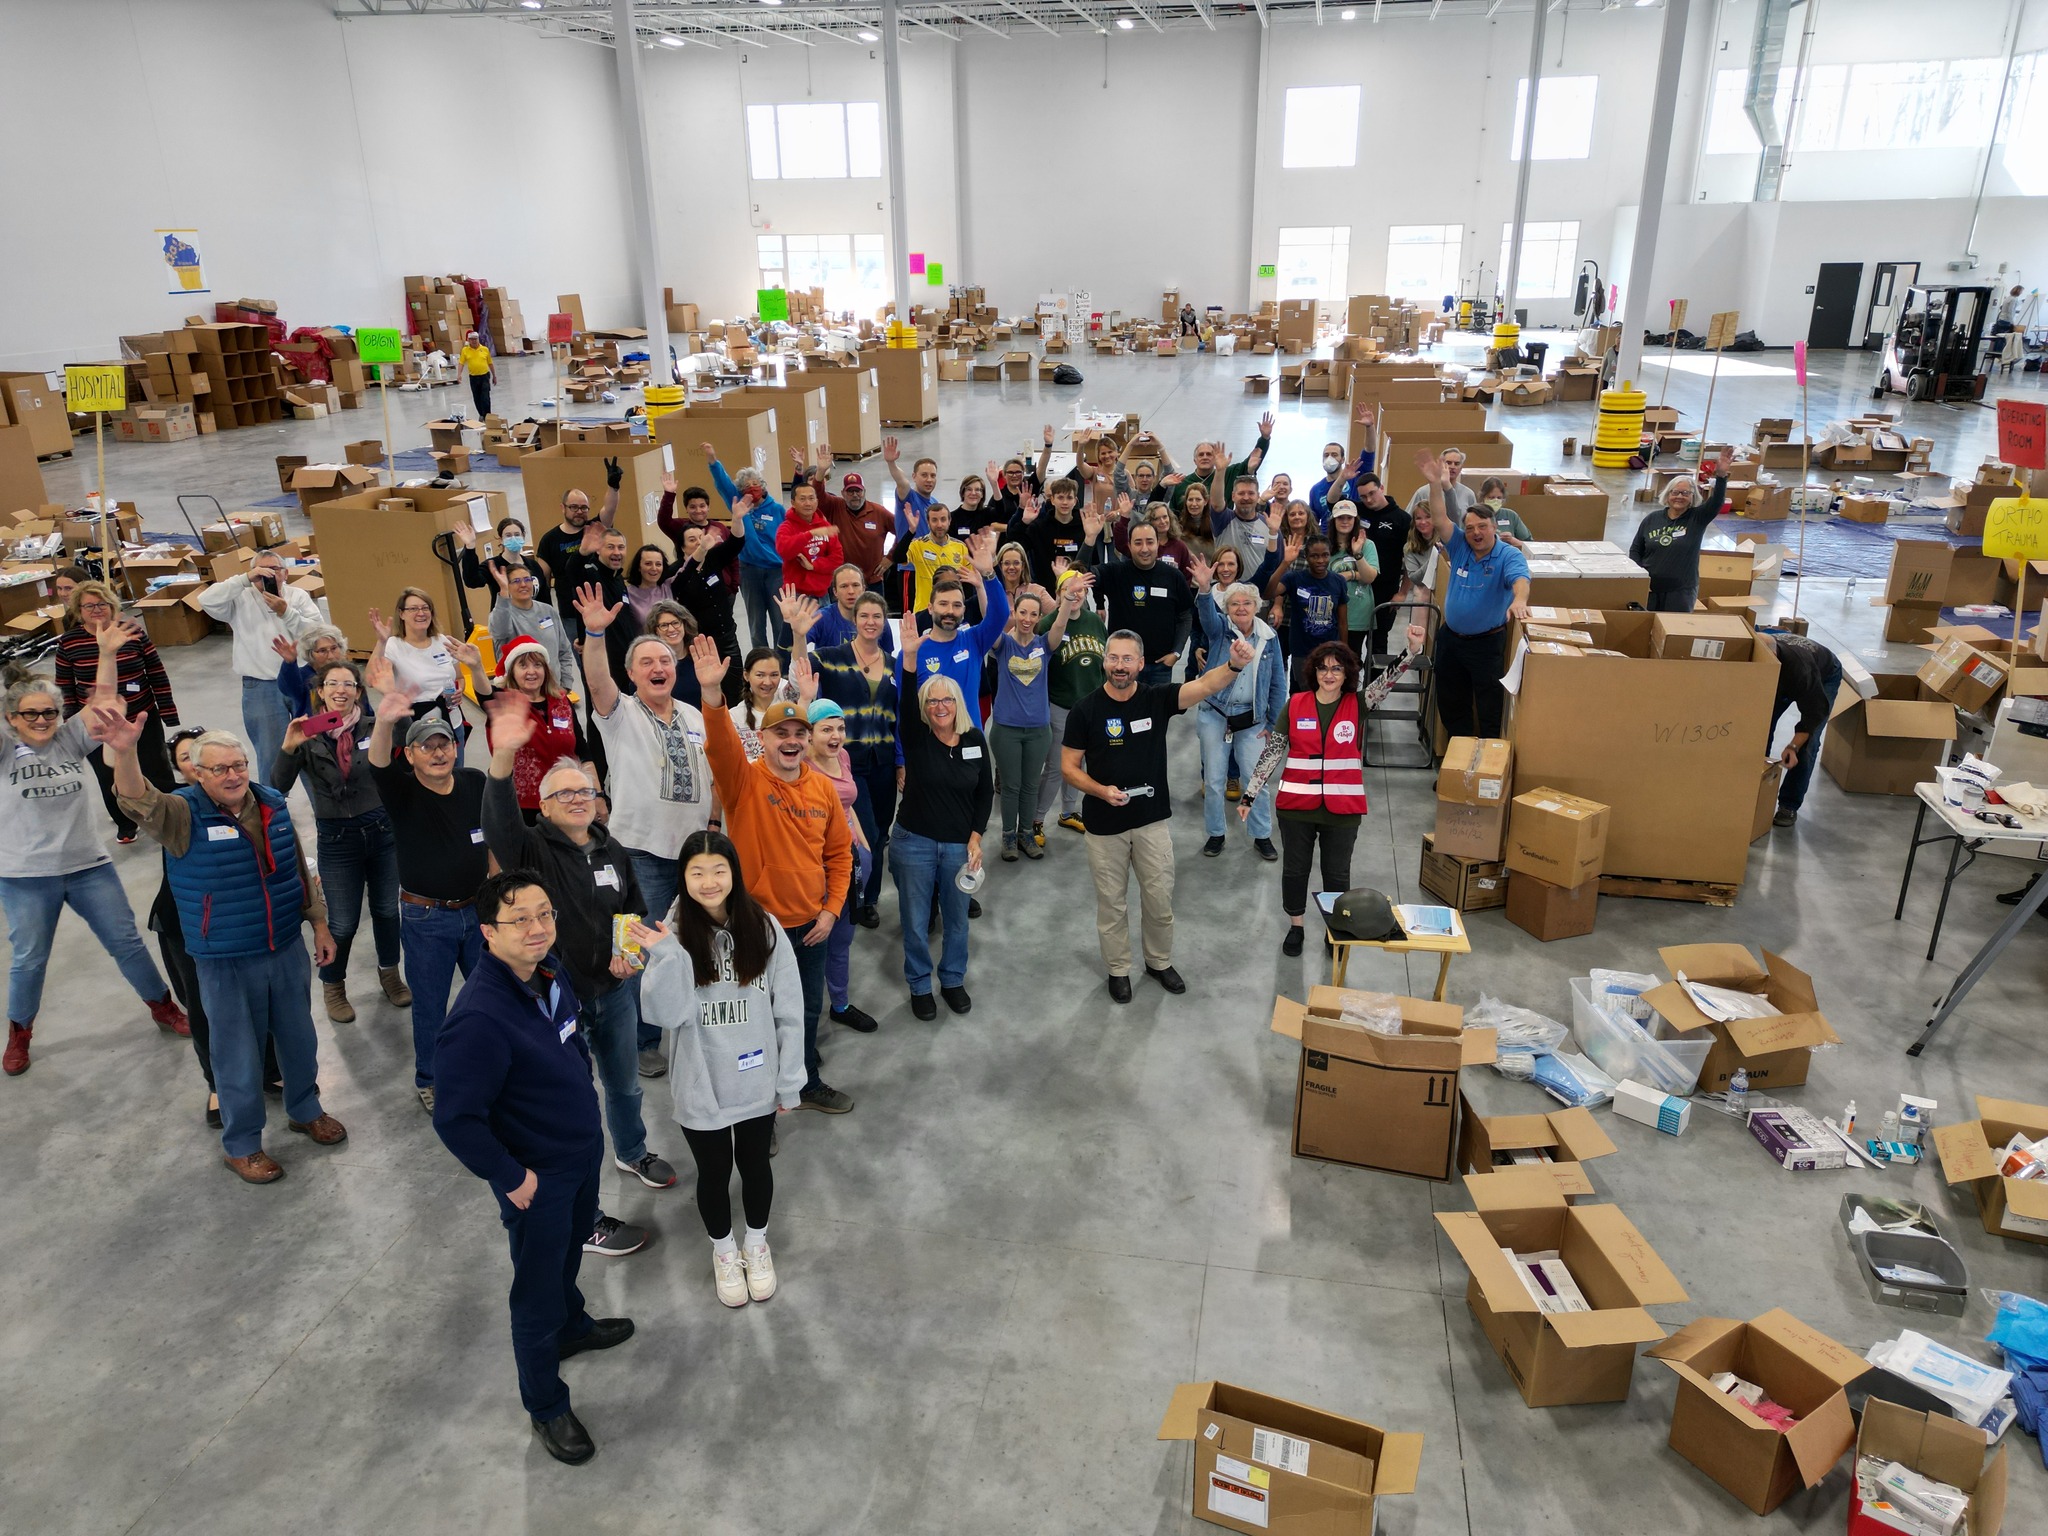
(608, 876)
(1304, 725)
(568, 1029)
(963, 655)
(710, 581)
(1159, 591)
(752, 1059)
(133, 688)
(546, 622)
(221, 834)
(476, 834)
(363, 745)
(970, 753)
(1140, 725)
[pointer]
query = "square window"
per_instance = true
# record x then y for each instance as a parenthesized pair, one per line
(1320, 127)
(1564, 117)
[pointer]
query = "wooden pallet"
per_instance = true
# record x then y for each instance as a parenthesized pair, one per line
(912, 426)
(62, 453)
(1704, 891)
(849, 458)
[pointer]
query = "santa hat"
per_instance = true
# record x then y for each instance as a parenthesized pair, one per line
(513, 651)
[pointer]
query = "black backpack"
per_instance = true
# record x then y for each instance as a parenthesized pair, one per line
(1066, 373)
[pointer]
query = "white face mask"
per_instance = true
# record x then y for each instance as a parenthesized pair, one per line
(1332, 463)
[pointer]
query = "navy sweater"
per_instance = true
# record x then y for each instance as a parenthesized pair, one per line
(512, 1087)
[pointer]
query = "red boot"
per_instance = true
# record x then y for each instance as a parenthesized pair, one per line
(15, 1061)
(170, 1017)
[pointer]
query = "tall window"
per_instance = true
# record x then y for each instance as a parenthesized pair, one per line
(1550, 259)
(1422, 260)
(1944, 104)
(2025, 129)
(1564, 117)
(850, 268)
(1320, 127)
(1315, 263)
(815, 141)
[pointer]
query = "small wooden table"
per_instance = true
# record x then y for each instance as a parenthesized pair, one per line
(1457, 943)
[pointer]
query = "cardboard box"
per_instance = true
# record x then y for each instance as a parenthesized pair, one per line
(174, 618)
(1548, 911)
(1477, 832)
(551, 473)
(1266, 1464)
(1476, 771)
(1767, 799)
(21, 477)
(1865, 509)
(225, 536)
(28, 401)
(802, 418)
(367, 553)
(1379, 1101)
(1725, 573)
(1556, 837)
(1965, 676)
(1561, 510)
(1911, 623)
(1464, 884)
(1700, 637)
(316, 483)
(1798, 1367)
(367, 452)
(1556, 1358)
(908, 381)
(1563, 1140)
(1969, 1151)
(1886, 744)
(1936, 1446)
(1774, 1051)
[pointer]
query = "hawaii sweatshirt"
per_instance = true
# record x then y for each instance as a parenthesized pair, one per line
(734, 1051)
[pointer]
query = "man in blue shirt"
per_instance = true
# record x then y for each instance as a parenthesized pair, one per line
(949, 650)
(1489, 585)
(760, 561)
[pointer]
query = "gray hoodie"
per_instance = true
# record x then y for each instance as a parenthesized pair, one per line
(734, 1051)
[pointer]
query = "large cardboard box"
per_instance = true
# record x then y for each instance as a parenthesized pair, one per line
(853, 408)
(1936, 1446)
(1886, 744)
(1266, 1464)
(175, 617)
(1559, 1357)
(1546, 911)
(1799, 1368)
(367, 554)
(1476, 771)
(782, 431)
(1726, 573)
(316, 483)
(21, 477)
(1640, 735)
(28, 401)
(1562, 510)
(1562, 1141)
(1962, 674)
(909, 383)
(802, 419)
(740, 441)
(1970, 1152)
(1466, 885)
(1700, 637)
(1774, 1050)
(552, 473)
(1556, 837)
(1379, 1101)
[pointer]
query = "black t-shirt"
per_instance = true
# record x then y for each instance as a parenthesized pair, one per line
(441, 851)
(1388, 530)
(1154, 602)
(1124, 744)
(947, 791)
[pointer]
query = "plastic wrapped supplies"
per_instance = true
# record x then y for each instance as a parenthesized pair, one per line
(1516, 1029)
(1573, 1080)
(1379, 1012)
(1973, 1389)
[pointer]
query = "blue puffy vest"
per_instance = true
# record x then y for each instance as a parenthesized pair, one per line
(234, 897)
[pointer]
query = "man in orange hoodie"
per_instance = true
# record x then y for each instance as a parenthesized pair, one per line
(795, 850)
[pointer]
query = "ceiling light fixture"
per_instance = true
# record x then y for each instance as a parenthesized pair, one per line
(669, 40)
(531, 5)
(1124, 23)
(1346, 15)
(871, 37)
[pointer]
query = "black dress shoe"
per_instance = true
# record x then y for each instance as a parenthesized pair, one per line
(1168, 978)
(605, 1333)
(1119, 989)
(1291, 945)
(867, 917)
(957, 999)
(924, 1005)
(854, 1019)
(973, 907)
(564, 1438)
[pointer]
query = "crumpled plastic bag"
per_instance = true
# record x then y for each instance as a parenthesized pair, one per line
(2021, 1330)
(1516, 1029)
(1379, 1012)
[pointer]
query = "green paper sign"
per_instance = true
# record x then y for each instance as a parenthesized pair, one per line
(379, 346)
(1270, 269)
(772, 303)
(935, 274)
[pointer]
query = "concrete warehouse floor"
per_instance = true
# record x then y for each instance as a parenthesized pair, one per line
(1039, 1219)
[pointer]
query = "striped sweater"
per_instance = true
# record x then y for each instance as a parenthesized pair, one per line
(139, 675)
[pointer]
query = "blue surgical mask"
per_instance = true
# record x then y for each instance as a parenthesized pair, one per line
(515, 542)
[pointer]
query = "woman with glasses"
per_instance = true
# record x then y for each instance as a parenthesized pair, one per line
(860, 677)
(671, 624)
(299, 660)
(425, 663)
(144, 687)
(524, 672)
(358, 850)
(51, 856)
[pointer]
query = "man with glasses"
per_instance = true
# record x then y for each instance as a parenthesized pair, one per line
(240, 880)
(518, 1110)
(436, 811)
(261, 607)
(570, 548)
(1458, 496)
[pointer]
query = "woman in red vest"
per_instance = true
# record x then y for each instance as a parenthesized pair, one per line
(1322, 785)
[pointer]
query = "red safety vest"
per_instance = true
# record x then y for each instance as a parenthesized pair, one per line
(1323, 774)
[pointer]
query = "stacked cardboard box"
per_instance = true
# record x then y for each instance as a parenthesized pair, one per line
(1554, 848)
(439, 312)
(507, 324)
(227, 375)
(1473, 788)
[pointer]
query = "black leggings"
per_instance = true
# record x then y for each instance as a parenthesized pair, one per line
(1297, 852)
(716, 1152)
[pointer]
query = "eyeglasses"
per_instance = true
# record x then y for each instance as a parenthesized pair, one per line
(347, 684)
(521, 924)
(41, 716)
(95, 605)
(221, 770)
(572, 796)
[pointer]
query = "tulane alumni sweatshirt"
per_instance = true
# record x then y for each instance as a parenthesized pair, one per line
(734, 1051)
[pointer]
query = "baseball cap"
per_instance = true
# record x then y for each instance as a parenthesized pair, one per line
(781, 712)
(855, 482)
(426, 728)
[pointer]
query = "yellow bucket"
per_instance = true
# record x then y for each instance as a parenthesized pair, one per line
(900, 336)
(1620, 433)
(662, 399)
(1507, 334)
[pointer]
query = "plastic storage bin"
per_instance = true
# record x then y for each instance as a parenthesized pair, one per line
(1623, 1049)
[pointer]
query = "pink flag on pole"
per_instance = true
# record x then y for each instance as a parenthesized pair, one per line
(1799, 361)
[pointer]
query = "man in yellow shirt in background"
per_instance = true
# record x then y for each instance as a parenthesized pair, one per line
(482, 369)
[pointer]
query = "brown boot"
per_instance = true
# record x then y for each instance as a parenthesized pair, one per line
(326, 1130)
(15, 1061)
(392, 980)
(339, 1008)
(259, 1167)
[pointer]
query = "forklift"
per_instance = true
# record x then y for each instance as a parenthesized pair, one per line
(1934, 346)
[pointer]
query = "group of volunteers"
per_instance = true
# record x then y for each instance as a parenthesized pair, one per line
(677, 834)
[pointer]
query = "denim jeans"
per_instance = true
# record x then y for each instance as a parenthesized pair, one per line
(658, 879)
(922, 865)
(758, 585)
(1234, 759)
(34, 903)
(875, 808)
(251, 999)
(1792, 791)
(436, 941)
(611, 1026)
(810, 970)
(839, 948)
(358, 854)
(264, 719)
(1155, 674)
(547, 1254)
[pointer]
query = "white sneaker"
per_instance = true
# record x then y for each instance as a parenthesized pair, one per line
(731, 1275)
(760, 1272)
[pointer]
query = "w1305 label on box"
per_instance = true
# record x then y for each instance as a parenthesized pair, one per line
(1282, 1451)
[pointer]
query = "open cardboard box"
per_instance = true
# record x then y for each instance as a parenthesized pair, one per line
(1798, 1367)
(1266, 1464)
(1556, 1358)
(1887, 743)
(1566, 1137)
(2016, 1208)
(1936, 1446)
(1775, 1051)
(1379, 1101)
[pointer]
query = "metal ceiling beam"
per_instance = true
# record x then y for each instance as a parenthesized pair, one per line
(935, 31)
(1020, 12)
(1319, 12)
(1093, 24)
(974, 21)
(1151, 22)
(1261, 5)
(1208, 16)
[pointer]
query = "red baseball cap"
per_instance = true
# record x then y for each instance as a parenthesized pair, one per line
(855, 482)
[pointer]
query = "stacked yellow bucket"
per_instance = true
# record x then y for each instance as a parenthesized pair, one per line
(900, 335)
(1620, 434)
(662, 399)
(1507, 336)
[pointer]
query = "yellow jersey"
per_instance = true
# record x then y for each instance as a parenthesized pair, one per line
(477, 359)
